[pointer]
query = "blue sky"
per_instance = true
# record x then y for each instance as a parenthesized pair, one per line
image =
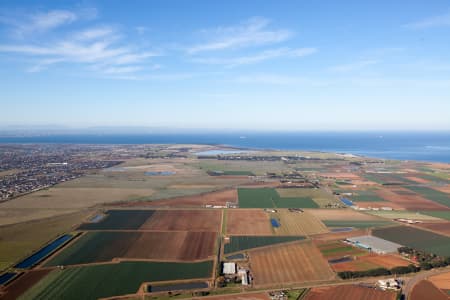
(297, 65)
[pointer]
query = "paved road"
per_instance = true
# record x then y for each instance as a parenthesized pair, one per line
(412, 281)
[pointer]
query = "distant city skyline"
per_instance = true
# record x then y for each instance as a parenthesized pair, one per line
(231, 65)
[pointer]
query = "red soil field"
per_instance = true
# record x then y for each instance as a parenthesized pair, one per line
(387, 261)
(252, 296)
(184, 220)
(248, 222)
(23, 283)
(184, 246)
(212, 198)
(417, 179)
(349, 292)
(442, 281)
(299, 262)
(426, 290)
(371, 261)
(441, 227)
(410, 202)
(444, 189)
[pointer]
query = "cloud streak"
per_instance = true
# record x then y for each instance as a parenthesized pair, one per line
(258, 57)
(431, 22)
(253, 32)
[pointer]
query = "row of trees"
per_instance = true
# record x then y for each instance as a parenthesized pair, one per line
(379, 272)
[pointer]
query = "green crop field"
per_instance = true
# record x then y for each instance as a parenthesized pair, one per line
(431, 194)
(95, 247)
(120, 220)
(416, 238)
(336, 249)
(368, 195)
(238, 243)
(100, 281)
(445, 215)
(356, 224)
(269, 198)
(238, 173)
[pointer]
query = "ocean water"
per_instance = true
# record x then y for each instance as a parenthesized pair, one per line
(423, 146)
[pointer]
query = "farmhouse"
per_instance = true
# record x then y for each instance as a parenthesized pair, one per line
(374, 244)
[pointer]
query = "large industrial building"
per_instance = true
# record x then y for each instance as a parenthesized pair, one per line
(372, 243)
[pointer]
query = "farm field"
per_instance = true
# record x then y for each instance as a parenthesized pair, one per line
(366, 196)
(442, 281)
(440, 228)
(120, 220)
(24, 282)
(349, 292)
(426, 290)
(370, 261)
(107, 280)
(319, 196)
(105, 246)
(416, 238)
(200, 200)
(294, 223)
(444, 215)
(431, 194)
(238, 243)
(269, 198)
(336, 249)
(19, 240)
(299, 262)
(250, 296)
(180, 220)
(248, 222)
(356, 224)
(341, 214)
(397, 214)
(410, 202)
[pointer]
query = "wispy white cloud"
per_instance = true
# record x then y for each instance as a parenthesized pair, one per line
(102, 48)
(435, 21)
(257, 57)
(26, 25)
(253, 32)
(354, 66)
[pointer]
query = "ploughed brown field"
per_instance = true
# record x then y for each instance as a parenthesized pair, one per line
(349, 292)
(388, 261)
(441, 227)
(291, 263)
(24, 282)
(410, 202)
(371, 261)
(184, 220)
(426, 290)
(252, 296)
(212, 198)
(248, 222)
(442, 281)
(173, 246)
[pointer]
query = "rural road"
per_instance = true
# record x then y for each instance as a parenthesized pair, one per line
(412, 281)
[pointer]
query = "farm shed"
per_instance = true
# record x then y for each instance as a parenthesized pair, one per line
(229, 268)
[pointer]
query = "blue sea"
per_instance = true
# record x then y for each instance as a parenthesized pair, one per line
(422, 146)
